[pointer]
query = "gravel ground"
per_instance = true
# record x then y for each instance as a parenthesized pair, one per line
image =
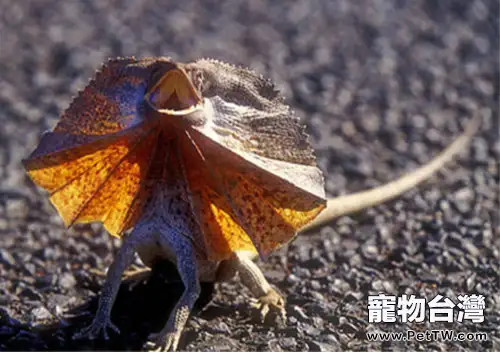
(382, 85)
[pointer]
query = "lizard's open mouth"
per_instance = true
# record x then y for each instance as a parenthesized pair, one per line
(174, 94)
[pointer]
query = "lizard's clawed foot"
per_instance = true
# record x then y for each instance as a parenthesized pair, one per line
(163, 341)
(270, 302)
(93, 330)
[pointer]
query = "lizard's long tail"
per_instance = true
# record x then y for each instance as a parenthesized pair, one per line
(351, 203)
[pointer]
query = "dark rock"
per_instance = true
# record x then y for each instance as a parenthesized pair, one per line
(48, 253)
(316, 263)
(321, 346)
(5, 297)
(293, 331)
(348, 328)
(44, 281)
(353, 296)
(29, 293)
(6, 332)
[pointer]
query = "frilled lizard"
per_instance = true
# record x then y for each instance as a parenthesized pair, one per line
(204, 163)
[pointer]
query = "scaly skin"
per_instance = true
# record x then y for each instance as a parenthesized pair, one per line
(206, 163)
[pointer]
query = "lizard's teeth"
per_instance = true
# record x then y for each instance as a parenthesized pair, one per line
(182, 112)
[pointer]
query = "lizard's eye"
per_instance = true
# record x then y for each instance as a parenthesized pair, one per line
(198, 80)
(174, 94)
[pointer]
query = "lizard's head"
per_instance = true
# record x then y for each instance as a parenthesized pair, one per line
(174, 91)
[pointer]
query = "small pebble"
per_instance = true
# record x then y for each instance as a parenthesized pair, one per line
(6, 257)
(40, 314)
(67, 281)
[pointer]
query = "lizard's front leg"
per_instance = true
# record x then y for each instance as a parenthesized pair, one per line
(267, 298)
(168, 338)
(102, 319)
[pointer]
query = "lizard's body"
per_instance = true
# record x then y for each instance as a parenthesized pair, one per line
(238, 110)
(336, 207)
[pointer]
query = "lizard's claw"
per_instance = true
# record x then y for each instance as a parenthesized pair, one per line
(163, 341)
(270, 302)
(99, 325)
